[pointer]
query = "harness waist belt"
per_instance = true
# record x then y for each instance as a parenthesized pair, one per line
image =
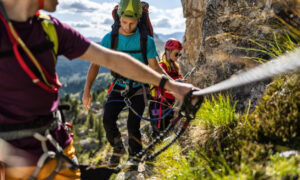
(121, 81)
(43, 123)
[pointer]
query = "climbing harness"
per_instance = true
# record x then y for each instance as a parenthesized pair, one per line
(128, 103)
(58, 155)
(25, 133)
(160, 108)
(41, 133)
(48, 83)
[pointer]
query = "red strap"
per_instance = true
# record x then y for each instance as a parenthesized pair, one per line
(110, 87)
(160, 111)
(148, 23)
(12, 39)
(41, 4)
(114, 12)
(30, 73)
(52, 80)
(37, 14)
(26, 68)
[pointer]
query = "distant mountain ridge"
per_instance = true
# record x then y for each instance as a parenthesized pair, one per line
(176, 35)
(74, 70)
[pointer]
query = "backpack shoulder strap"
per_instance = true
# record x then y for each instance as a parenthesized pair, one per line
(114, 41)
(166, 63)
(114, 46)
(115, 30)
(145, 30)
(143, 42)
(50, 30)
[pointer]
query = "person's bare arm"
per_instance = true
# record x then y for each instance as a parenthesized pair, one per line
(156, 67)
(91, 76)
(129, 67)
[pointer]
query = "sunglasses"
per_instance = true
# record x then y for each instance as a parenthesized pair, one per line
(177, 54)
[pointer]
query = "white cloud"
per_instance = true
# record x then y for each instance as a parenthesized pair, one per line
(162, 23)
(80, 24)
(108, 21)
(95, 19)
(171, 19)
(84, 6)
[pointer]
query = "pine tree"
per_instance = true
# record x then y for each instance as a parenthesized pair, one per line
(100, 131)
(91, 121)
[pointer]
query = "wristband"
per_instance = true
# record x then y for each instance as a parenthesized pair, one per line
(163, 81)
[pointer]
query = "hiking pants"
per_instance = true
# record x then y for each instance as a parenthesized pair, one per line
(111, 111)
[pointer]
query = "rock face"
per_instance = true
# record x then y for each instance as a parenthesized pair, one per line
(215, 32)
(194, 12)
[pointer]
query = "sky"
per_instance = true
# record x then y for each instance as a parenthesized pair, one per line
(93, 18)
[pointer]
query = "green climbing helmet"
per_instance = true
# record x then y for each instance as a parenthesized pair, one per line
(130, 9)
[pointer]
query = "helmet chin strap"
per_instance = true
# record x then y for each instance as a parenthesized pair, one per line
(41, 4)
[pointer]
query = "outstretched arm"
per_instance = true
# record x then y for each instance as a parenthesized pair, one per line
(131, 68)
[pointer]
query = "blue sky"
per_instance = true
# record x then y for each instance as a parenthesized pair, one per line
(93, 18)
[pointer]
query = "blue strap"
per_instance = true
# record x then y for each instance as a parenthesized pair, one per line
(141, 117)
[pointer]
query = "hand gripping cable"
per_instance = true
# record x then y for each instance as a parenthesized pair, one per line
(188, 111)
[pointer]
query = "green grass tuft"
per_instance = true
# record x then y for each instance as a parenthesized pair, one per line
(219, 111)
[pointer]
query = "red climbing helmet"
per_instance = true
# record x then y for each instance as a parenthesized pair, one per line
(173, 44)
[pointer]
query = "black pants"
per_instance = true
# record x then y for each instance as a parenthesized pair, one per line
(112, 110)
(154, 113)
